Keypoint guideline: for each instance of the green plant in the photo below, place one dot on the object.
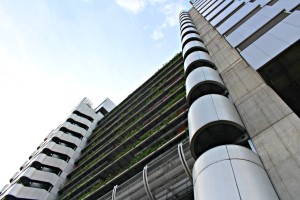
(130, 147)
(136, 159)
(174, 100)
(151, 91)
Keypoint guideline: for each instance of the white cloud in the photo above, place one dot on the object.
(156, 1)
(6, 22)
(171, 12)
(158, 46)
(145, 27)
(157, 34)
(134, 6)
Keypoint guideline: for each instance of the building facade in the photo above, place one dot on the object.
(218, 121)
(254, 46)
(46, 170)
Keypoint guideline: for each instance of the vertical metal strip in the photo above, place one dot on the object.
(114, 192)
(146, 184)
(184, 163)
(252, 146)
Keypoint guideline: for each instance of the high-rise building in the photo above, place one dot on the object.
(254, 48)
(218, 121)
(46, 171)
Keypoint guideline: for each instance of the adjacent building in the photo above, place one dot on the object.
(46, 169)
(218, 121)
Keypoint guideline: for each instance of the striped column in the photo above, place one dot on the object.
(223, 169)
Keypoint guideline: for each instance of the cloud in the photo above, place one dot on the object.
(157, 34)
(145, 27)
(171, 12)
(158, 46)
(6, 22)
(134, 6)
(156, 1)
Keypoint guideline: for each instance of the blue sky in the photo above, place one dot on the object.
(55, 52)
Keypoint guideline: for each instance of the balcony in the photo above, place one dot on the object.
(141, 91)
(18, 191)
(43, 178)
(203, 81)
(173, 102)
(197, 59)
(55, 162)
(184, 17)
(133, 107)
(124, 151)
(213, 120)
(166, 179)
(233, 172)
(82, 121)
(186, 26)
(158, 154)
(189, 37)
(191, 46)
(188, 30)
(186, 21)
(74, 140)
(86, 110)
(73, 128)
(135, 118)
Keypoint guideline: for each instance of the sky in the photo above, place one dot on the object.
(53, 53)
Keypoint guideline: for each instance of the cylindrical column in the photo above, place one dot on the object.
(231, 172)
(202, 81)
(192, 46)
(213, 120)
(187, 26)
(189, 37)
(197, 59)
(188, 30)
(228, 172)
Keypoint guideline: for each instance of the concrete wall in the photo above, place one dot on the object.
(271, 124)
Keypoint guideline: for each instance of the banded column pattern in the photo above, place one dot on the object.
(216, 128)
